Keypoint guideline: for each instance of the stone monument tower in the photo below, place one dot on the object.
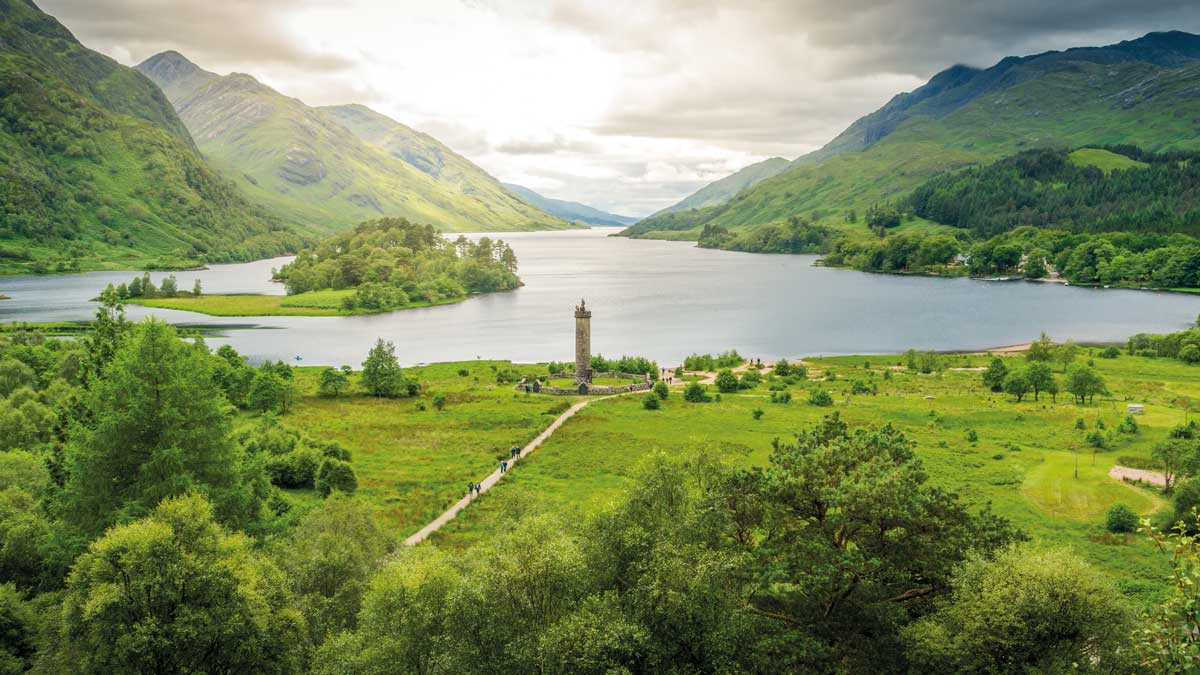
(583, 344)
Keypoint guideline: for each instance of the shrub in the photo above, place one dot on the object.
(783, 397)
(661, 390)
(726, 381)
(1128, 425)
(1110, 353)
(783, 368)
(758, 413)
(463, 372)
(860, 387)
(1080, 423)
(998, 456)
(439, 401)
(1096, 439)
(695, 393)
(335, 474)
(972, 437)
(1121, 518)
(820, 397)
(651, 402)
(750, 379)
(296, 469)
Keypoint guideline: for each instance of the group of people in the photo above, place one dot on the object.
(474, 488)
(666, 375)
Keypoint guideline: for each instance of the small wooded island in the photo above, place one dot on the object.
(379, 266)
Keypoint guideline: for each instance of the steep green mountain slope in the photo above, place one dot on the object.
(96, 169)
(315, 166)
(1144, 92)
(572, 211)
(721, 191)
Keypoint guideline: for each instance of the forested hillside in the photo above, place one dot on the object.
(96, 170)
(328, 168)
(1153, 193)
(1141, 92)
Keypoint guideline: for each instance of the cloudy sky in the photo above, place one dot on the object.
(627, 105)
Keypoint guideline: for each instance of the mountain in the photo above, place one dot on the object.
(723, 190)
(328, 168)
(1143, 92)
(572, 211)
(97, 170)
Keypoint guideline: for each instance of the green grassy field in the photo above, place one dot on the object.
(313, 303)
(1104, 160)
(413, 463)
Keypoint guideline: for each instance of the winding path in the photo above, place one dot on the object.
(487, 483)
(493, 478)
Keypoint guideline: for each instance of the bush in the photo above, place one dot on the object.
(1096, 439)
(1110, 353)
(750, 379)
(651, 402)
(758, 413)
(783, 368)
(783, 397)
(296, 469)
(727, 382)
(661, 390)
(972, 437)
(860, 387)
(1128, 425)
(1080, 423)
(695, 393)
(335, 474)
(820, 397)
(1121, 518)
(439, 401)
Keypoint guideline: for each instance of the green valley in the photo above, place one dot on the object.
(98, 172)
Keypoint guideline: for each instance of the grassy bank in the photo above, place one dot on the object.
(312, 303)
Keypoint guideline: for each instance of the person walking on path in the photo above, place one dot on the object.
(503, 466)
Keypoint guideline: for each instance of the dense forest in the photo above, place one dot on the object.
(392, 262)
(1155, 193)
(1115, 216)
(797, 235)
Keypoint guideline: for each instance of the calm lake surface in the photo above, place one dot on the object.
(663, 300)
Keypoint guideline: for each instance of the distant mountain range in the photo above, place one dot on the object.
(1144, 91)
(571, 211)
(330, 167)
(97, 170)
(723, 190)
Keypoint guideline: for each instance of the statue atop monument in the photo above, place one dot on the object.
(583, 344)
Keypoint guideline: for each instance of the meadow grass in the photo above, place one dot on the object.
(1022, 463)
(413, 463)
(1104, 160)
(326, 302)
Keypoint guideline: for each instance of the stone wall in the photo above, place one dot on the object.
(640, 383)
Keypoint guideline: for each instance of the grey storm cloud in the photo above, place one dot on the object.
(774, 75)
(208, 31)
